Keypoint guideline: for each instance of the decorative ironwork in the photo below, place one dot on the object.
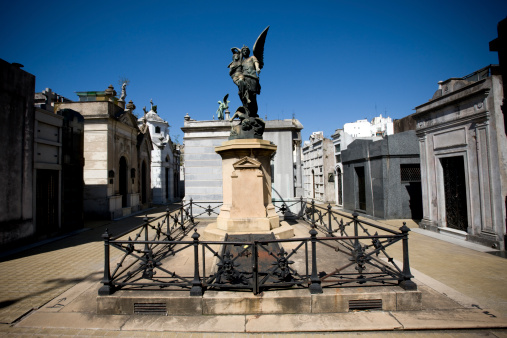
(355, 251)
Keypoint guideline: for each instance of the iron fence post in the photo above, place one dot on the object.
(168, 224)
(301, 210)
(313, 213)
(255, 269)
(330, 231)
(182, 214)
(107, 288)
(196, 289)
(191, 212)
(315, 286)
(406, 283)
(356, 230)
(145, 225)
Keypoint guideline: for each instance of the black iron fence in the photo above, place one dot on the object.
(341, 250)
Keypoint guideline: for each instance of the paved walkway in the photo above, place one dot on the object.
(32, 278)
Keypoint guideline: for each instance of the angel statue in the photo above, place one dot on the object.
(123, 91)
(244, 71)
(222, 106)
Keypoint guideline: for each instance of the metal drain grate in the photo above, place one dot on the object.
(365, 304)
(150, 309)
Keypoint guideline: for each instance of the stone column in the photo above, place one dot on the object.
(299, 181)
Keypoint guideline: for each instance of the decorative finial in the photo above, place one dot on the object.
(131, 106)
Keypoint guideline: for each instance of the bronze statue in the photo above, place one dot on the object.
(244, 71)
(222, 106)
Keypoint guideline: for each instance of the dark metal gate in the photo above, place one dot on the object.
(455, 192)
(47, 201)
(361, 188)
(340, 187)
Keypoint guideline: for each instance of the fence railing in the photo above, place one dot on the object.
(340, 250)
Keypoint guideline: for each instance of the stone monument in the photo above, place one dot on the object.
(246, 158)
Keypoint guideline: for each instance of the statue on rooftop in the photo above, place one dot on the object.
(123, 91)
(222, 106)
(244, 71)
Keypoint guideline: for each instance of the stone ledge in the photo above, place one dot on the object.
(296, 301)
(212, 233)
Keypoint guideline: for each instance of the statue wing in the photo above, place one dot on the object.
(225, 98)
(258, 48)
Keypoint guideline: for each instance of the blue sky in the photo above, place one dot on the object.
(326, 62)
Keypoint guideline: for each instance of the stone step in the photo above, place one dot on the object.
(297, 301)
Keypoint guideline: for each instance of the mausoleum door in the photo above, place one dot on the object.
(47, 195)
(143, 183)
(123, 181)
(340, 187)
(166, 184)
(361, 188)
(456, 213)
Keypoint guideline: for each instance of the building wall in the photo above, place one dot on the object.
(318, 169)
(203, 166)
(72, 170)
(386, 194)
(47, 173)
(110, 133)
(464, 122)
(341, 140)
(17, 89)
(285, 134)
(164, 160)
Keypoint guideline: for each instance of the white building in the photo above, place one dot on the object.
(164, 158)
(361, 129)
(318, 176)
(379, 126)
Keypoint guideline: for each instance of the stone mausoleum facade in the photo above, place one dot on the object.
(318, 168)
(463, 146)
(165, 158)
(42, 161)
(382, 178)
(117, 156)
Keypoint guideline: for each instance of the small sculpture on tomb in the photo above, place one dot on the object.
(222, 106)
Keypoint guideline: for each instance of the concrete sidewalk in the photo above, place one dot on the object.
(51, 290)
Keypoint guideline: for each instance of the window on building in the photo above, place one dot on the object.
(338, 158)
(410, 172)
(157, 130)
(337, 148)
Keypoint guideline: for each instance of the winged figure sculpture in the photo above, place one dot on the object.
(244, 71)
(222, 106)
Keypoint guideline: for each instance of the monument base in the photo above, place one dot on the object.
(247, 207)
(213, 233)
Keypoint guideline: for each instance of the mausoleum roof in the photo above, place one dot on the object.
(151, 116)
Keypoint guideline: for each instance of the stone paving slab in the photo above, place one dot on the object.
(446, 319)
(73, 321)
(352, 321)
(231, 323)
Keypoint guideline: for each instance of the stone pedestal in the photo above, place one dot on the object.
(247, 208)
